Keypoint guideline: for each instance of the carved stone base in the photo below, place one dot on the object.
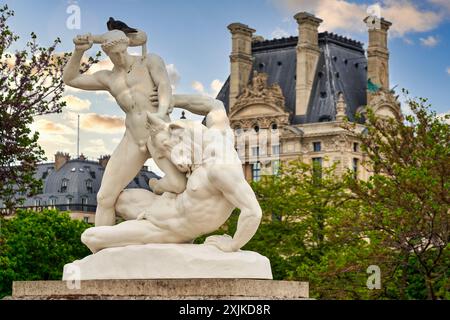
(168, 261)
(164, 289)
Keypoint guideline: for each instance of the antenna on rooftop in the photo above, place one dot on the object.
(78, 137)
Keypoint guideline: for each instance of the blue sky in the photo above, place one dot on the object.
(192, 37)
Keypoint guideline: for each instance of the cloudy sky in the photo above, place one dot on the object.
(192, 38)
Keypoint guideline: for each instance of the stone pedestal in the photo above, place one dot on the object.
(162, 289)
(169, 261)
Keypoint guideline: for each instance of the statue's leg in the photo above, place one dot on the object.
(133, 232)
(126, 161)
(123, 234)
(132, 202)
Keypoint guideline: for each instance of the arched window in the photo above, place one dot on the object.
(52, 201)
(37, 202)
(69, 201)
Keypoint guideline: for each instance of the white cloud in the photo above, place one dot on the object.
(342, 15)
(96, 148)
(215, 87)
(101, 123)
(198, 86)
(408, 41)
(448, 70)
(430, 41)
(73, 103)
(174, 75)
(279, 33)
(48, 127)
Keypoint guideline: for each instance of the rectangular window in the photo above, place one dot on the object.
(256, 171)
(275, 167)
(68, 202)
(86, 219)
(317, 147)
(355, 167)
(355, 147)
(317, 167)
(89, 186)
(255, 151)
(52, 201)
(276, 150)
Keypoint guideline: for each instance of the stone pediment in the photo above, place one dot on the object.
(384, 103)
(259, 99)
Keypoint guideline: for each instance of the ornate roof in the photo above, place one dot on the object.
(341, 68)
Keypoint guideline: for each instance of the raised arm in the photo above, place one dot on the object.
(160, 76)
(231, 182)
(71, 74)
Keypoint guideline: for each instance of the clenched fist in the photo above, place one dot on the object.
(83, 42)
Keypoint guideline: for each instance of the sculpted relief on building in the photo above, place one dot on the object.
(259, 104)
(384, 103)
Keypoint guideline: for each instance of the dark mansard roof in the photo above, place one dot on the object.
(342, 67)
(79, 174)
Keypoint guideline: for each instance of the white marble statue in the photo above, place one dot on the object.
(203, 182)
(215, 187)
(132, 82)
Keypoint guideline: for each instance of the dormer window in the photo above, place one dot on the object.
(64, 184)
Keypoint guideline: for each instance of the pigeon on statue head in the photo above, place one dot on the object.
(119, 25)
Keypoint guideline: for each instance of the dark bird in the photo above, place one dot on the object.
(119, 25)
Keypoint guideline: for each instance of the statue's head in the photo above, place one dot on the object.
(115, 42)
(180, 141)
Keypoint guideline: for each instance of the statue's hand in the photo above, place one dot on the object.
(153, 183)
(83, 42)
(154, 99)
(223, 242)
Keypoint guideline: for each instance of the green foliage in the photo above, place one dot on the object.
(36, 245)
(306, 230)
(406, 201)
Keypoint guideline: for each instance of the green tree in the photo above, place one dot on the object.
(36, 245)
(307, 230)
(30, 85)
(406, 202)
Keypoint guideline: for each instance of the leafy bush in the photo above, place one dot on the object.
(36, 245)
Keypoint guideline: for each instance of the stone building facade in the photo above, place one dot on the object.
(288, 98)
(72, 185)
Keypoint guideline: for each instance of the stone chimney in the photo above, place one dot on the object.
(103, 160)
(341, 108)
(240, 59)
(307, 57)
(61, 159)
(377, 52)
